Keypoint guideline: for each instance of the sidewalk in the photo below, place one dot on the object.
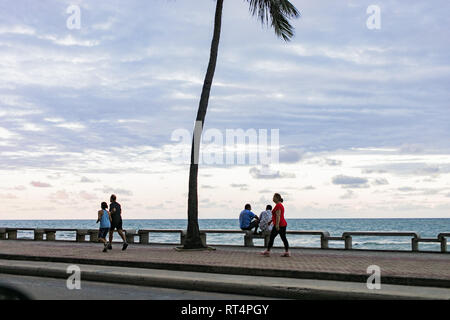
(272, 287)
(400, 268)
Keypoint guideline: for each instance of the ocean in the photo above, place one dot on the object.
(426, 228)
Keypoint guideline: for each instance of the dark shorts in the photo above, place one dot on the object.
(116, 224)
(103, 232)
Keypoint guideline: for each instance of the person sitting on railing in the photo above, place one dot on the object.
(265, 220)
(248, 220)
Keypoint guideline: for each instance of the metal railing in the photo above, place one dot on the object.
(144, 235)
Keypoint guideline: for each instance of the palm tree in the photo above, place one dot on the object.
(275, 13)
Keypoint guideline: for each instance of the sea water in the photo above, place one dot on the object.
(426, 227)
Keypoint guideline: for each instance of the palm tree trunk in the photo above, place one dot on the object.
(193, 234)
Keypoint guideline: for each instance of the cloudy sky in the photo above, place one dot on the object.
(363, 114)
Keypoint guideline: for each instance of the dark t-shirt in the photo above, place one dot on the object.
(115, 210)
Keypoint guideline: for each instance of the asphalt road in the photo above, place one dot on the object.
(55, 289)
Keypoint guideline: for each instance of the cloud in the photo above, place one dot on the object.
(59, 195)
(380, 182)
(350, 194)
(237, 185)
(17, 30)
(406, 189)
(267, 173)
(205, 186)
(39, 184)
(240, 186)
(86, 180)
(333, 163)
(289, 156)
(87, 196)
(117, 191)
(350, 182)
(8, 196)
(68, 40)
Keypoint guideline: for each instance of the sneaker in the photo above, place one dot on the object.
(109, 246)
(125, 245)
(105, 248)
(286, 254)
(265, 253)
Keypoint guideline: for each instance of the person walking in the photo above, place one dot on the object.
(116, 222)
(104, 217)
(279, 226)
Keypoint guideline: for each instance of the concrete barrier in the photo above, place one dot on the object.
(414, 241)
(443, 239)
(93, 235)
(130, 234)
(81, 235)
(12, 233)
(39, 234)
(144, 236)
(2, 233)
(249, 236)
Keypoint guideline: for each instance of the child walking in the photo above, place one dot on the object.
(104, 217)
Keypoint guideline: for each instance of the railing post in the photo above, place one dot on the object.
(248, 239)
(93, 235)
(443, 244)
(2, 234)
(324, 240)
(266, 238)
(12, 234)
(143, 237)
(50, 235)
(348, 242)
(38, 234)
(415, 244)
(81, 235)
(183, 235)
(129, 235)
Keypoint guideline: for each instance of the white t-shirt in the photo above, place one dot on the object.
(264, 219)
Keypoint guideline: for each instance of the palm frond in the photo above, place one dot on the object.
(277, 14)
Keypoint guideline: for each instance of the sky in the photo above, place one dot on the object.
(90, 105)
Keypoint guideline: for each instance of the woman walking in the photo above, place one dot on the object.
(279, 226)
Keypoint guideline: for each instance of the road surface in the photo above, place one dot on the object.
(55, 289)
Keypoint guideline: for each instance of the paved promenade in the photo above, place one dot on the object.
(404, 268)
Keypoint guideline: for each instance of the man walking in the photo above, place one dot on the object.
(116, 222)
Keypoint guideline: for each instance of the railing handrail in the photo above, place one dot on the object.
(143, 234)
(309, 232)
(161, 230)
(382, 233)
